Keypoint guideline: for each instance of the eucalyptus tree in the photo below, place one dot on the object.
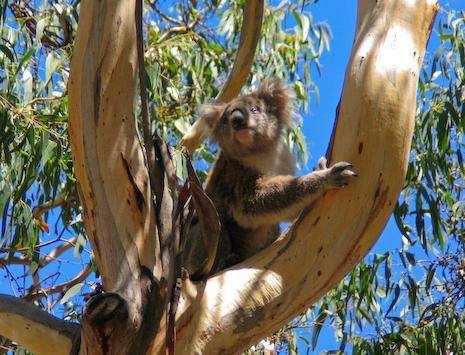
(126, 190)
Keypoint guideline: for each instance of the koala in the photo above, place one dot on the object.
(251, 182)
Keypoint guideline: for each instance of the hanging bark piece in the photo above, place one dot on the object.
(208, 219)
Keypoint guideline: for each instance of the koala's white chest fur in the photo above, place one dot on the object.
(280, 161)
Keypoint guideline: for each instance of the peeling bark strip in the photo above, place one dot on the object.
(207, 218)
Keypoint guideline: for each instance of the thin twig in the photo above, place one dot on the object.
(60, 288)
(164, 16)
(55, 253)
(13, 260)
(39, 99)
(39, 210)
(180, 30)
(38, 246)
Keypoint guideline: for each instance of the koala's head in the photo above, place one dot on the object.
(252, 123)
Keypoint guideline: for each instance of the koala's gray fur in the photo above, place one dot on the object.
(251, 182)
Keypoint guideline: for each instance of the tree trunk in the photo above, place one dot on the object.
(234, 309)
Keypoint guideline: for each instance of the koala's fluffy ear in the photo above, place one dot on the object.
(209, 115)
(278, 98)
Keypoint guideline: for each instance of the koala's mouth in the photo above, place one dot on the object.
(244, 136)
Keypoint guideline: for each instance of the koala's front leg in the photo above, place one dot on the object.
(281, 198)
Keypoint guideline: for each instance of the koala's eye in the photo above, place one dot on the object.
(255, 109)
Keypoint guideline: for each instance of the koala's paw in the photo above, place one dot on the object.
(337, 175)
(322, 164)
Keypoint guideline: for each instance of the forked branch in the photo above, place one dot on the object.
(373, 132)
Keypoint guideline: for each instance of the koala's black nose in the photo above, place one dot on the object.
(238, 119)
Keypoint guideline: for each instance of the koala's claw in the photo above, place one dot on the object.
(340, 174)
(341, 166)
(322, 164)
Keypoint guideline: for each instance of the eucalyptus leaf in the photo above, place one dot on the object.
(72, 291)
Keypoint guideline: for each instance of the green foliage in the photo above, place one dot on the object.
(441, 331)
(35, 156)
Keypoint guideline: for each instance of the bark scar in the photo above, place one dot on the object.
(97, 87)
(140, 200)
(379, 199)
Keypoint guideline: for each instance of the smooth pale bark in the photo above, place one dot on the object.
(238, 307)
(31, 326)
(113, 180)
(250, 34)
(108, 158)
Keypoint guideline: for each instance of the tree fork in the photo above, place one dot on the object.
(234, 309)
(135, 259)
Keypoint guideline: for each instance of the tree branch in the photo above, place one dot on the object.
(13, 260)
(40, 210)
(178, 30)
(60, 288)
(109, 159)
(35, 329)
(38, 246)
(55, 253)
(250, 34)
